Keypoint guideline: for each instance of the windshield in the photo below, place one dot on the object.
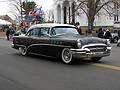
(63, 30)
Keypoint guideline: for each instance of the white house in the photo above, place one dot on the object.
(63, 13)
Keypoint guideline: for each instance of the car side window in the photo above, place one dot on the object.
(29, 33)
(44, 31)
(53, 32)
(34, 32)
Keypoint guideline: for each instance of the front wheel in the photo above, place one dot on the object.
(96, 59)
(23, 51)
(66, 56)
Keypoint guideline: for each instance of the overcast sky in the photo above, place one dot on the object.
(4, 8)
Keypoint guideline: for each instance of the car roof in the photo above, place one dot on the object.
(49, 25)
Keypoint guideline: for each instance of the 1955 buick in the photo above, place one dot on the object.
(61, 40)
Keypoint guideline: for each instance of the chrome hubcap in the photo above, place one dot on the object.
(66, 55)
(22, 50)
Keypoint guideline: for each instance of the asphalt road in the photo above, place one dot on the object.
(19, 72)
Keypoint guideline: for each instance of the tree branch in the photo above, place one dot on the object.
(110, 14)
(97, 10)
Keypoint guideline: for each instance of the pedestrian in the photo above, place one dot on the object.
(8, 33)
(77, 24)
(107, 34)
(100, 33)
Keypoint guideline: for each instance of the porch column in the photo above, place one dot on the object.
(65, 16)
(70, 13)
(73, 13)
(55, 14)
(62, 13)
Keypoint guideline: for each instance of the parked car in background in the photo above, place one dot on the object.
(62, 41)
(115, 36)
(116, 33)
(118, 43)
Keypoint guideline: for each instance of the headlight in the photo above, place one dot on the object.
(79, 44)
(108, 42)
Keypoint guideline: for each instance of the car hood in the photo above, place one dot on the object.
(84, 39)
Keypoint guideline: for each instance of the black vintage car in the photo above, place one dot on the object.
(61, 40)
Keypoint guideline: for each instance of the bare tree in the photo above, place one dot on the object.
(16, 7)
(92, 7)
(22, 8)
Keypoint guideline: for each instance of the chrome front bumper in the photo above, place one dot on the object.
(86, 53)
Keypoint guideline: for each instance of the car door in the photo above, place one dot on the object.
(44, 41)
(40, 40)
(33, 35)
(56, 44)
(25, 40)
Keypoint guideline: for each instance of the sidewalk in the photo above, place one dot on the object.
(3, 36)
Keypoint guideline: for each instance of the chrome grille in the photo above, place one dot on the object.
(97, 48)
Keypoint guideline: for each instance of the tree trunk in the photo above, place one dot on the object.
(90, 26)
(91, 15)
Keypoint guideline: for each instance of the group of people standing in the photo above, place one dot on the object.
(104, 33)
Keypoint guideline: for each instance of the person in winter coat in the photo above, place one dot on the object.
(100, 33)
(77, 24)
(107, 34)
(8, 33)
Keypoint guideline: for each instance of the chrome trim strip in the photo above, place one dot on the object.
(40, 44)
(81, 50)
(48, 45)
(19, 45)
(93, 45)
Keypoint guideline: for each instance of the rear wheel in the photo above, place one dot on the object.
(95, 59)
(66, 56)
(23, 51)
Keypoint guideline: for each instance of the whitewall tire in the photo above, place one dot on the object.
(67, 56)
(23, 51)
